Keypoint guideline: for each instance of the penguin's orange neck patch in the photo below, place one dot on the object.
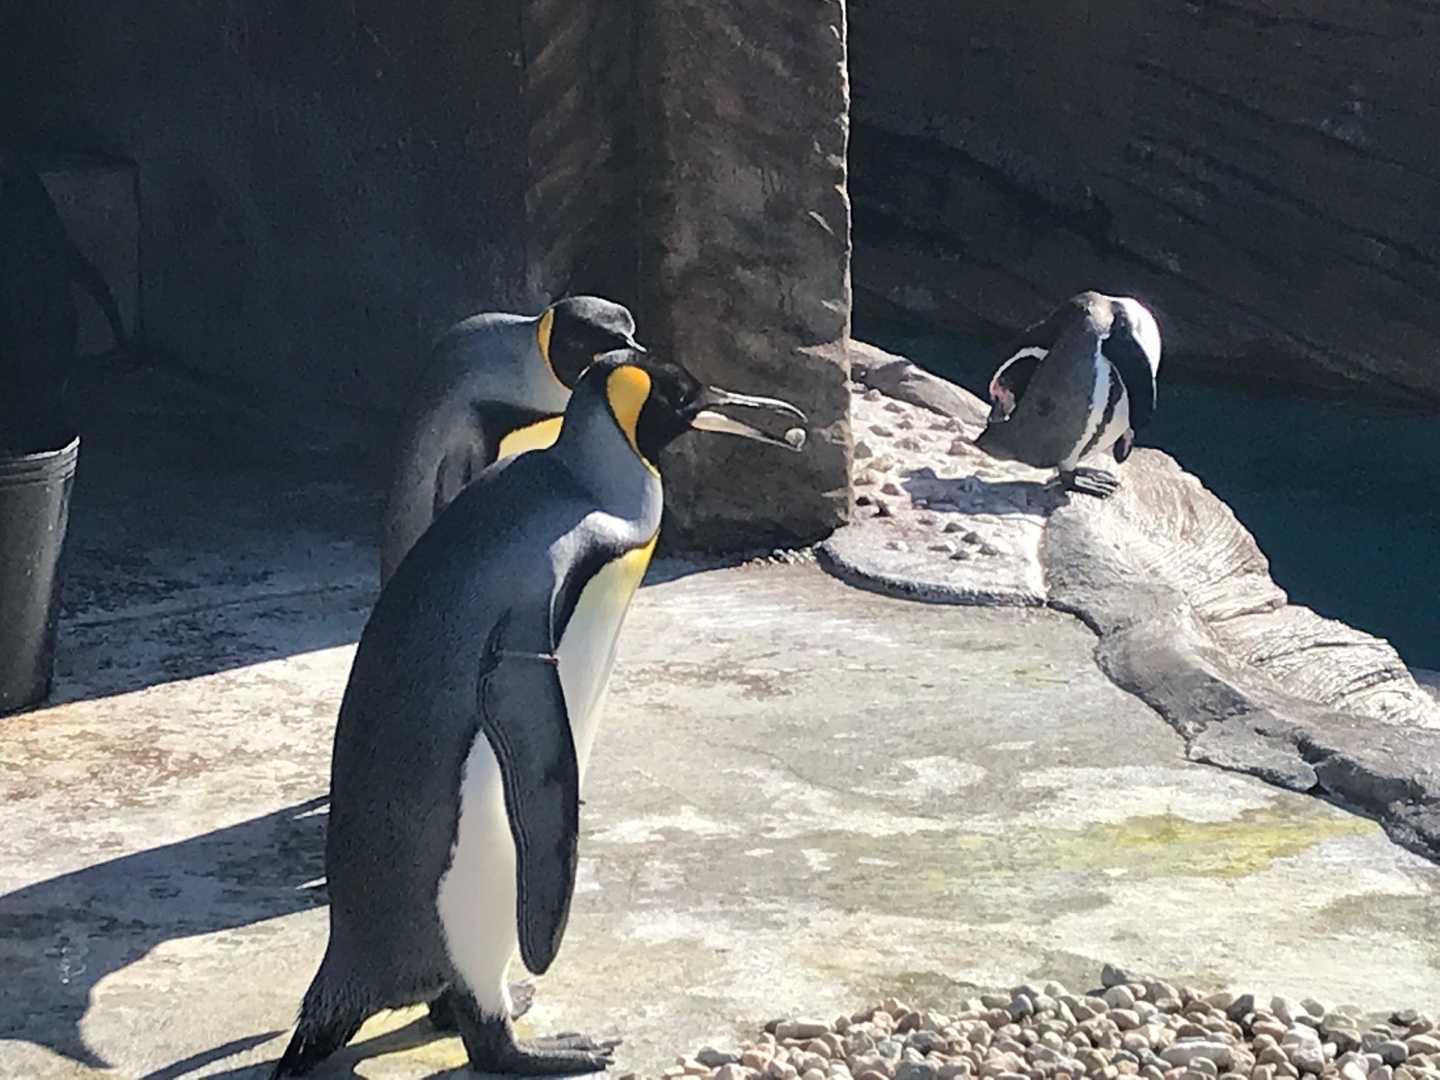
(542, 339)
(628, 388)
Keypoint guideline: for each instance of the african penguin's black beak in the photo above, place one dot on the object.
(708, 415)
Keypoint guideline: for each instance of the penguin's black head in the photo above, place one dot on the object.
(579, 328)
(656, 401)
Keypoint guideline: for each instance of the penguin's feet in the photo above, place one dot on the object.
(560, 1055)
(442, 1010)
(1088, 481)
(492, 1047)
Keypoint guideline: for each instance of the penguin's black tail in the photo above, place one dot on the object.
(327, 1022)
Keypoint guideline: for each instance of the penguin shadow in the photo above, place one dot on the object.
(976, 495)
(60, 937)
(339, 1066)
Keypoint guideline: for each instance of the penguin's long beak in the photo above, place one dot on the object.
(707, 416)
(633, 345)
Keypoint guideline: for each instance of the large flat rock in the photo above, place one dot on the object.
(1177, 589)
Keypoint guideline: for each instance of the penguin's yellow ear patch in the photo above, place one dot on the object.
(542, 335)
(628, 387)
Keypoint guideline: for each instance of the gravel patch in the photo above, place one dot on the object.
(1131, 1025)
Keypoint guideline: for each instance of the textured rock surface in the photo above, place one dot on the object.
(336, 186)
(1262, 174)
(745, 269)
(320, 189)
(1188, 616)
(935, 519)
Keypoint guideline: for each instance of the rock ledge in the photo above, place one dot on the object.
(1179, 593)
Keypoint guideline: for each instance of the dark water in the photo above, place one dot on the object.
(1344, 501)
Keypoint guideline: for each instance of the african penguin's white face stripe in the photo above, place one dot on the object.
(1039, 352)
(1146, 329)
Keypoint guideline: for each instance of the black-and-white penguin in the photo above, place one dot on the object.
(1081, 381)
(494, 385)
(471, 710)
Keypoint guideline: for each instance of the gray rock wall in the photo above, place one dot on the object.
(321, 185)
(746, 242)
(1265, 174)
(323, 188)
(580, 103)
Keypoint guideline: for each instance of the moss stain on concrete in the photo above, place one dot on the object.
(1370, 913)
(915, 873)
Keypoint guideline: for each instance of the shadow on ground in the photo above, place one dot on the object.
(975, 495)
(339, 1065)
(62, 936)
(206, 535)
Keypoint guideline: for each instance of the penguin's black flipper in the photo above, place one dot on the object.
(1131, 364)
(523, 714)
(1124, 445)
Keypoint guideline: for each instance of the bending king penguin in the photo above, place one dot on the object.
(495, 385)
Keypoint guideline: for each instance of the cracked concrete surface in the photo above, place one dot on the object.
(804, 796)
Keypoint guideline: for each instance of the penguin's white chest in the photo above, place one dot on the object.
(587, 645)
(1100, 431)
(476, 898)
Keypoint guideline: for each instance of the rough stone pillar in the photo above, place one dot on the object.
(745, 250)
(581, 108)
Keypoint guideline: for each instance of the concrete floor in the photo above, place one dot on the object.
(805, 797)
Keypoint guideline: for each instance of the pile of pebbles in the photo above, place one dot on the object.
(1132, 1026)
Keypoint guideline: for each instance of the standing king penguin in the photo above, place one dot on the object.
(470, 713)
(494, 385)
(1081, 380)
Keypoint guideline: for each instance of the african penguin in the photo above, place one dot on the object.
(1080, 381)
(471, 710)
(495, 384)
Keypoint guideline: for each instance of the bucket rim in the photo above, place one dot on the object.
(39, 455)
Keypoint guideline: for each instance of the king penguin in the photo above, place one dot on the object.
(495, 384)
(1081, 380)
(471, 710)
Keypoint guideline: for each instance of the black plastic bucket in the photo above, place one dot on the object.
(34, 510)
